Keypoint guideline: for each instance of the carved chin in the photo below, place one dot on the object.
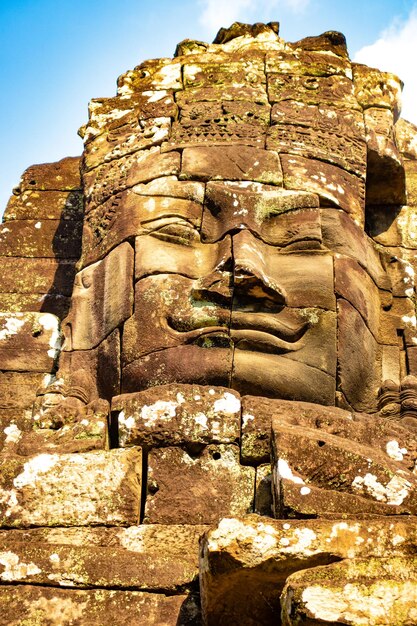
(250, 372)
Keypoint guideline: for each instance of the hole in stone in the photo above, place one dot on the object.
(321, 444)
(216, 456)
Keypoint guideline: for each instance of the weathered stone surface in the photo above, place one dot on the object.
(335, 91)
(48, 238)
(114, 177)
(45, 205)
(263, 491)
(36, 276)
(29, 342)
(342, 235)
(359, 378)
(34, 303)
(359, 591)
(17, 389)
(71, 489)
(317, 472)
(357, 287)
(307, 62)
(126, 139)
(257, 416)
(104, 112)
(103, 361)
(101, 301)
(280, 217)
(61, 607)
(128, 214)
(166, 315)
(259, 555)
(231, 163)
(229, 122)
(177, 414)
(85, 435)
(103, 557)
(334, 185)
(393, 226)
(374, 88)
(405, 135)
(154, 74)
(385, 175)
(170, 186)
(249, 71)
(64, 175)
(319, 132)
(223, 92)
(197, 487)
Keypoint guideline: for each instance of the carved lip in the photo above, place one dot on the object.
(252, 331)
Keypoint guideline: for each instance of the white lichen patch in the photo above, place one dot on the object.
(283, 470)
(394, 493)
(229, 404)
(11, 326)
(160, 410)
(38, 225)
(304, 491)
(394, 451)
(14, 569)
(246, 418)
(32, 469)
(50, 323)
(201, 420)
(13, 433)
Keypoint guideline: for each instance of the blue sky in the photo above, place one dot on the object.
(58, 54)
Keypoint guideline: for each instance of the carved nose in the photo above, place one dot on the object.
(250, 275)
(217, 285)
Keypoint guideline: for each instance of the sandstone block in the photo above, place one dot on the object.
(245, 562)
(36, 276)
(333, 184)
(279, 216)
(197, 488)
(18, 389)
(45, 239)
(153, 74)
(183, 364)
(128, 214)
(358, 288)
(45, 205)
(367, 591)
(71, 489)
(263, 491)
(63, 175)
(126, 139)
(177, 414)
(114, 177)
(61, 607)
(307, 63)
(29, 341)
(341, 234)
(334, 90)
(374, 88)
(35, 303)
(393, 226)
(149, 557)
(360, 378)
(362, 444)
(231, 163)
(102, 299)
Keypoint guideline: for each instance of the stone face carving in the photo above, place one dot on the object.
(243, 317)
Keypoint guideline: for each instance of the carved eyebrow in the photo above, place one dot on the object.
(165, 216)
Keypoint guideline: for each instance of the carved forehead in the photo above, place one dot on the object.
(250, 107)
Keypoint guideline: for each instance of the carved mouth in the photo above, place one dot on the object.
(249, 331)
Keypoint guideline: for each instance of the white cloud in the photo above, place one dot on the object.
(396, 51)
(218, 13)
